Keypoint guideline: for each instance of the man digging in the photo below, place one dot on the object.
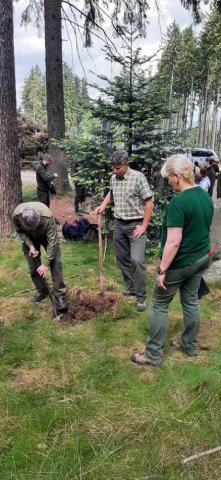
(35, 225)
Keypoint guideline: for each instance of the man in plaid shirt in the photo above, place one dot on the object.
(133, 204)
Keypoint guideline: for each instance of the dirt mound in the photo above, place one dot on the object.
(85, 305)
(32, 137)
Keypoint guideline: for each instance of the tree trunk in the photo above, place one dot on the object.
(200, 120)
(169, 120)
(184, 112)
(215, 118)
(10, 178)
(204, 118)
(54, 90)
(192, 106)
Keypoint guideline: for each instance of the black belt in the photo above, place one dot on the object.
(129, 221)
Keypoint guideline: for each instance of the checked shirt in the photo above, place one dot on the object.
(128, 194)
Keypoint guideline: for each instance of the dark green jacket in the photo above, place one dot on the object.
(43, 178)
(46, 228)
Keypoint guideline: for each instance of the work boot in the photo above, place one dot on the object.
(39, 296)
(61, 303)
(128, 293)
(141, 305)
(176, 344)
(142, 359)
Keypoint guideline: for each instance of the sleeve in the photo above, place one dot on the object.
(175, 214)
(52, 241)
(22, 233)
(44, 175)
(110, 193)
(144, 189)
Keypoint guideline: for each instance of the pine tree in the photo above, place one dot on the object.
(76, 101)
(34, 96)
(132, 102)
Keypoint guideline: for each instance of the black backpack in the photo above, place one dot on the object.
(78, 230)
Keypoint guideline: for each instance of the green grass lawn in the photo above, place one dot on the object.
(73, 405)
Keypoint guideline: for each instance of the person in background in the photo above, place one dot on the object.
(185, 254)
(80, 190)
(211, 174)
(132, 198)
(36, 227)
(204, 181)
(44, 179)
(196, 171)
(215, 165)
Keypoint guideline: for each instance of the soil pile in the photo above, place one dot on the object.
(32, 138)
(85, 305)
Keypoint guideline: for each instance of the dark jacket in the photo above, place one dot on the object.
(219, 186)
(212, 176)
(43, 178)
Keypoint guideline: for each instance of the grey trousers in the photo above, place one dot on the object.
(130, 255)
(55, 268)
(187, 281)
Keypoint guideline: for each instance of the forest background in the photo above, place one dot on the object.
(142, 109)
(72, 406)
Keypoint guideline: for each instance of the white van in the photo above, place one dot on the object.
(200, 155)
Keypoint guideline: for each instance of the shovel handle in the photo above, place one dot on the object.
(101, 275)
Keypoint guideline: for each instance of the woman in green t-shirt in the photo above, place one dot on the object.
(185, 246)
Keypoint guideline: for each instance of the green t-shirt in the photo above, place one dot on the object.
(191, 210)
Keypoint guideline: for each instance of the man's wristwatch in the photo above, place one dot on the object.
(161, 272)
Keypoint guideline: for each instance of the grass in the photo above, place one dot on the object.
(73, 406)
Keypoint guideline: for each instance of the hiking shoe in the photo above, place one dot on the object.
(40, 296)
(128, 293)
(177, 346)
(141, 305)
(142, 359)
(61, 303)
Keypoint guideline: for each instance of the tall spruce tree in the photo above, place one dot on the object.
(132, 103)
(34, 96)
(76, 101)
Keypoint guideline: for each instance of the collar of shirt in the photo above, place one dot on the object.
(125, 176)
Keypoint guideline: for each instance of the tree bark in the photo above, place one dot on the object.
(200, 120)
(10, 178)
(204, 116)
(54, 90)
(215, 118)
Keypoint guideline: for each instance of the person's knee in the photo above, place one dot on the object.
(137, 261)
(32, 271)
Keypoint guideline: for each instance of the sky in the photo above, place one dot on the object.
(30, 50)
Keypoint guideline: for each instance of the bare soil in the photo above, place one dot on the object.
(85, 305)
(63, 210)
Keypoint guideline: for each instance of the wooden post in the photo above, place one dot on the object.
(101, 275)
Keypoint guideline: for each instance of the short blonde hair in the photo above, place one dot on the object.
(178, 164)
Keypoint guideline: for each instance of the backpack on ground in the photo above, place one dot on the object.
(79, 230)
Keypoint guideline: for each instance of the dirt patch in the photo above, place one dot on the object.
(39, 378)
(85, 305)
(63, 210)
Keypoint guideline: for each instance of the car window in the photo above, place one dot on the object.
(201, 153)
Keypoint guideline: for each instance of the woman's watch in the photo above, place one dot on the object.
(161, 272)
